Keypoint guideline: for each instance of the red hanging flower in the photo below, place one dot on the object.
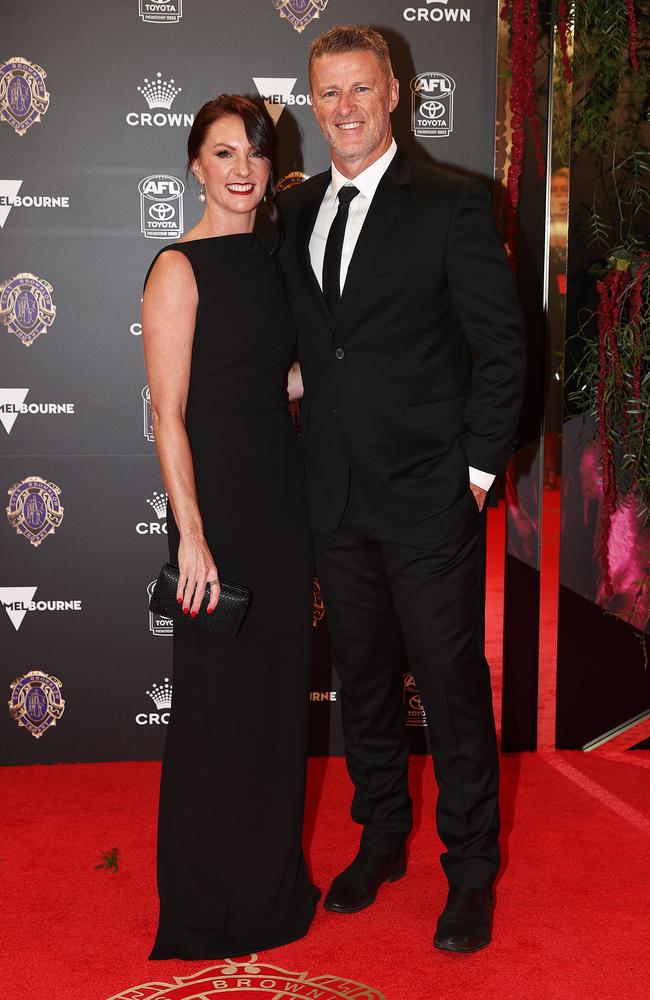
(631, 17)
(634, 310)
(610, 304)
(562, 17)
(523, 29)
(530, 55)
(619, 292)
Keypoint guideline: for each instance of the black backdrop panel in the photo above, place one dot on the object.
(124, 80)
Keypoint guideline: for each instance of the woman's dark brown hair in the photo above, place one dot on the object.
(260, 132)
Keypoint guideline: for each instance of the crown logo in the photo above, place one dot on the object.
(159, 93)
(161, 694)
(158, 501)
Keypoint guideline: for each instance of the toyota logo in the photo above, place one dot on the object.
(161, 211)
(433, 109)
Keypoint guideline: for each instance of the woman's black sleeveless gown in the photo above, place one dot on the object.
(231, 873)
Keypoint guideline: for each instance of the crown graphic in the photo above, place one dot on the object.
(159, 93)
(161, 694)
(159, 503)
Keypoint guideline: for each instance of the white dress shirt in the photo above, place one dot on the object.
(367, 182)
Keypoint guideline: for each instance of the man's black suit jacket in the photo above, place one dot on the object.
(420, 373)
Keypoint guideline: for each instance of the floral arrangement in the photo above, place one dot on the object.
(612, 382)
(524, 28)
(610, 376)
(608, 118)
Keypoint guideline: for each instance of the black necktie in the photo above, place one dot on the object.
(334, 246)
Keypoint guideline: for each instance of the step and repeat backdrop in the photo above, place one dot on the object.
(96, 101)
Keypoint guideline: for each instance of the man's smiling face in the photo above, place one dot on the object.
(353, 97)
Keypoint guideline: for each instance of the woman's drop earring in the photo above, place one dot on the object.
(202, 193)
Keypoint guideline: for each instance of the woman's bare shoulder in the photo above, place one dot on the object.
(171, 275)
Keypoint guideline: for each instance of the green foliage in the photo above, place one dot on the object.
(109, 860)
(611, 97)
(611, 115)
(610, 122)
(597, 230)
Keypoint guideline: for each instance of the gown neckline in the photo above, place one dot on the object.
(207, 239)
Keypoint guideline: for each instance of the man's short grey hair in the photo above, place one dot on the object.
(351, 38)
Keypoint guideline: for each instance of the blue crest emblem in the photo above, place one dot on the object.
(299, 13)
(34, 509)
(23, 94)
(26, 306)
(36, 702)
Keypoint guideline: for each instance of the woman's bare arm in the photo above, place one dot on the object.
(294, 383)
(168, 318)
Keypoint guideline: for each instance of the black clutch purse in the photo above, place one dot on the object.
(226, 619)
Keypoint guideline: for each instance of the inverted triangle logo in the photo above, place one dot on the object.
(16, 601)
(10, 402)
(275, 93)
(8, 192)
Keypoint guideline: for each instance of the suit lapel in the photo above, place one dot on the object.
(386, 204)
(304, 228)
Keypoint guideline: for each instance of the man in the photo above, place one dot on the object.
(412, 351)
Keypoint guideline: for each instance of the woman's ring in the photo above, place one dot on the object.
(213, 583)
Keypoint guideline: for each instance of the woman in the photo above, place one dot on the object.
(218, 340)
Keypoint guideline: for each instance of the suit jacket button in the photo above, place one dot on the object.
(339, 353)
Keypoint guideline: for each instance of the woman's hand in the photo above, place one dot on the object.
(479, 495)
(196, 569)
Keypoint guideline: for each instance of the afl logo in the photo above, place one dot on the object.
(161, 11)
(158, 624)
(23, 95)
(415, 715)
(432, 102)
(148, 413)
(161, 206)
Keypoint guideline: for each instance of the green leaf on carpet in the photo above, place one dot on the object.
(109, 860)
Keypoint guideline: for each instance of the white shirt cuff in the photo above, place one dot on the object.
(481, 479)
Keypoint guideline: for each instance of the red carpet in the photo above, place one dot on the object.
(573, 908)
(573, 911)
(548, 613)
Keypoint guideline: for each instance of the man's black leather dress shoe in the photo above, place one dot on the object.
(356, 887)
(465, 924)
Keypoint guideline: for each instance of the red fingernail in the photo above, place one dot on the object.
(179, 600)
(193, 614)
(210, 610)
(185, 610)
